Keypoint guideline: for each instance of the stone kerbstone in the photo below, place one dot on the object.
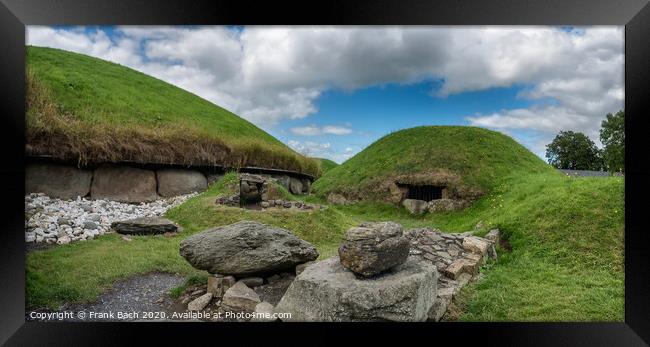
(374, 247)
(415, 206)
(124, 184)
(327, 291)
(240, 298)
(144, 226)
(57, 181)
(173, 182)
(246, 249)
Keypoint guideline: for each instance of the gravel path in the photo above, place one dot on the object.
(141, 294)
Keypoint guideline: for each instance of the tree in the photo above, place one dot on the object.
(612, 135)
(573, 151)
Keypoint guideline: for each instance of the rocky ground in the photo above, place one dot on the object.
(57, 221)
(144, 295)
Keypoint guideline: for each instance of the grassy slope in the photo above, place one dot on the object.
(326, 164)
(75, 101)
(482, 157)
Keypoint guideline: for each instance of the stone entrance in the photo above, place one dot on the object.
(425, 192)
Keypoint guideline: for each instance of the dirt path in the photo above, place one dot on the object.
(141, 297)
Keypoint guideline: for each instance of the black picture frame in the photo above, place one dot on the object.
(634, 14)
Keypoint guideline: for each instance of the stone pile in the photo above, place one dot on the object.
(60, 221)
(251, 265)
(233, 201)
(373, 279)
(458, 258)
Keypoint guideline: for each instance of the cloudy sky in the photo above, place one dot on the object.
(331, 91)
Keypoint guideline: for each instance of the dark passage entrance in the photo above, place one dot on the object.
(426, 193)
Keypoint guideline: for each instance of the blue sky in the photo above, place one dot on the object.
(331, 91)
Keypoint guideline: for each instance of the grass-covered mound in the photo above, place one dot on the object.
(326, 164)
(86, 109)
(473, 160)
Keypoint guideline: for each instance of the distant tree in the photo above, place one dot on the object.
(612, 135)
(573, 151)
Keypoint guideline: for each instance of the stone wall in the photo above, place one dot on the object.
(129, 184)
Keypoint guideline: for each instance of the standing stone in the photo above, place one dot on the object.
(240, 298)
(415, 206)
(374, 247)
(246, 248)
(124, 184)
(218, 284)
(326, 291)
(174, 182)
(57, 181)
(295, 186)
(145, 226)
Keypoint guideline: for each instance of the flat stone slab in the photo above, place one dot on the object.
(326, 291)
(144, 226)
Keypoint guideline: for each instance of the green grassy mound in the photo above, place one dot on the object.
(475, 159)
(326, 164)
(86, 109)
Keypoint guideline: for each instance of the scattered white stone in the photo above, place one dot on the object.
(83, 219)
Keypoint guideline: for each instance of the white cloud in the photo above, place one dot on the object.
(313, 130)
(269, 74)
(322, 150)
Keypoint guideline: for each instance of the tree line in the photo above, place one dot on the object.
(575, 151)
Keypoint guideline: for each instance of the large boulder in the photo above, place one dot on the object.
(415, 206)
(57, 181)
(145, 226)
(124, 184)
(327, 291)
(246, 248)
(173, 182)
(374, 247)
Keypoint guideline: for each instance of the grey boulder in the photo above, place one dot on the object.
(144, 226)
(246, 248)
(326, 291)
(374, 247)
(415, 206)
(57, 181)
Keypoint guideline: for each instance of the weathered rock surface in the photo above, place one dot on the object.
(144, 226)
(441, 205)
(415, 206)
(240, 298)
(301, 267)
(57, 181)
(326, 291)
(264, 312)
(246, 248)
(218, 284)
(124, 184)
(253, 282)
(295, 185)
(200, 303)
(373, 247)
(172, 182)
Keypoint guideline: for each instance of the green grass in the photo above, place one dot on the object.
(326, 164)
(84, 108)
(480, 157)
